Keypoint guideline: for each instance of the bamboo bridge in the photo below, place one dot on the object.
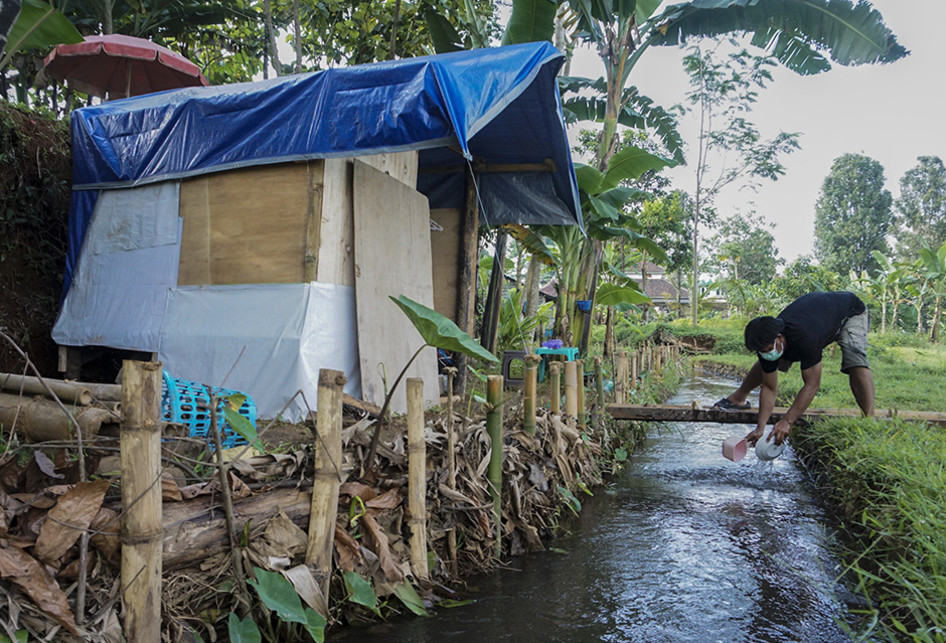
(695, 413)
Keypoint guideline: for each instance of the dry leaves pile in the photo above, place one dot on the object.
(46, 510)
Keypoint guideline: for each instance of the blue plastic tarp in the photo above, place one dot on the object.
(495, 106)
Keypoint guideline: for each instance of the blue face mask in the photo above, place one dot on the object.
(774, 354)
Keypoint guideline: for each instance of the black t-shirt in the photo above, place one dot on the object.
(812, 322)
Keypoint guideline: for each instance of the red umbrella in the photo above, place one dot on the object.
(116, 66)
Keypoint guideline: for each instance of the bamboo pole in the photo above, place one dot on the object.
(582, 415)
(451, 467)
(571, 391)
(620, 378)
(555, 386)
(328, 476)
(466, 271)
(75, 392)
(141, 524)
(494, 427)
(635, 366)
(417, 477)
(532, 378)
(599, 385)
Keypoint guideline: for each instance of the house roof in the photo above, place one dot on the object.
(498, 106)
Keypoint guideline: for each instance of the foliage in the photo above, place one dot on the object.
(888, 480)
(440, 332)
(803, 276)
(744, 250)
(515, 328)
(852, 215)
(35, 166)
(38, 26)
(922, 207)
(278, 595)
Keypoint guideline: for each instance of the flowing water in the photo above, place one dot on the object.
(683, 546)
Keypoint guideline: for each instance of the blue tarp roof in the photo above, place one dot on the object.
(499, 106)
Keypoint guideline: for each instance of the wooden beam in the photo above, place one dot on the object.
(673, 413)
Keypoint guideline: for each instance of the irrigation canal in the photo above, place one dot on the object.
(685, 546)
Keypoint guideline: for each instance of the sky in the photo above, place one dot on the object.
(892, 113)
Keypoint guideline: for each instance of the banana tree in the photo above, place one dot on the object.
(934, 269)
(577, 256)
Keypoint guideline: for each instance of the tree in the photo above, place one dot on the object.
(852, 215)
(744, 250)
(729, 146)
(921, 207)
(803, 276)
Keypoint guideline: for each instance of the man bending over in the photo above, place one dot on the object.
(800, 334)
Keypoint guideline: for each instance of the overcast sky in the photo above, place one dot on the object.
(891, 113)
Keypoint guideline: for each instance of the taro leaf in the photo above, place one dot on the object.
(245, 631)
(361, 592)
(315, 625)
(22, 636)
(408, 595)
(72, 514)
(440, 332)
(279, 595)
(241, 425)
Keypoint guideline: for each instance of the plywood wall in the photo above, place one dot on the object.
(247, 226)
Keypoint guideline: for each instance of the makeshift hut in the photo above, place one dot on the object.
(248, 235)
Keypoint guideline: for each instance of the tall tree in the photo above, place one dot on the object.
(921, 207)
(852, 215)
(729, 148)
(744, 250)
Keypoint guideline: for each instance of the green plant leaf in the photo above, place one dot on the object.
(315, 625)
(630, 163)
(440, 332)
(37, 27)
(361, 592)
(408, 595)
(613, 294)
(240, 424)
(245, 631)
(279, 595)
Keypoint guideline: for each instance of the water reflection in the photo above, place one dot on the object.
(686, 546)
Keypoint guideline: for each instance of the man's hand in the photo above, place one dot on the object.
(754, 437)
(780, 431)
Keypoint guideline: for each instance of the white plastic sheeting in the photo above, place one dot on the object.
(268, 341)
(129, 262)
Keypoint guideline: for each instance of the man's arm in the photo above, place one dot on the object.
(812, 383)
(766, 403)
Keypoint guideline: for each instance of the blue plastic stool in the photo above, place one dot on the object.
(570, 353)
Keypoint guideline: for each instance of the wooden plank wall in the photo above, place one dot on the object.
(445, 248)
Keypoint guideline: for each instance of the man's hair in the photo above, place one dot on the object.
(762, 331)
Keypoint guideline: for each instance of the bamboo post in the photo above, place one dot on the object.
(599, 385)
(451, 467)
(582, 416)
(620, 378)
(417, 477)
(635, 369)
(555, 388)
(141, 522)
(328, 476)
(571, 391)
(532, 378)
(494, 426)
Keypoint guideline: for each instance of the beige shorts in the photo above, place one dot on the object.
(853, 342)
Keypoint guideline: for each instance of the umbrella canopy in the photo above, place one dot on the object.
(117, 66)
